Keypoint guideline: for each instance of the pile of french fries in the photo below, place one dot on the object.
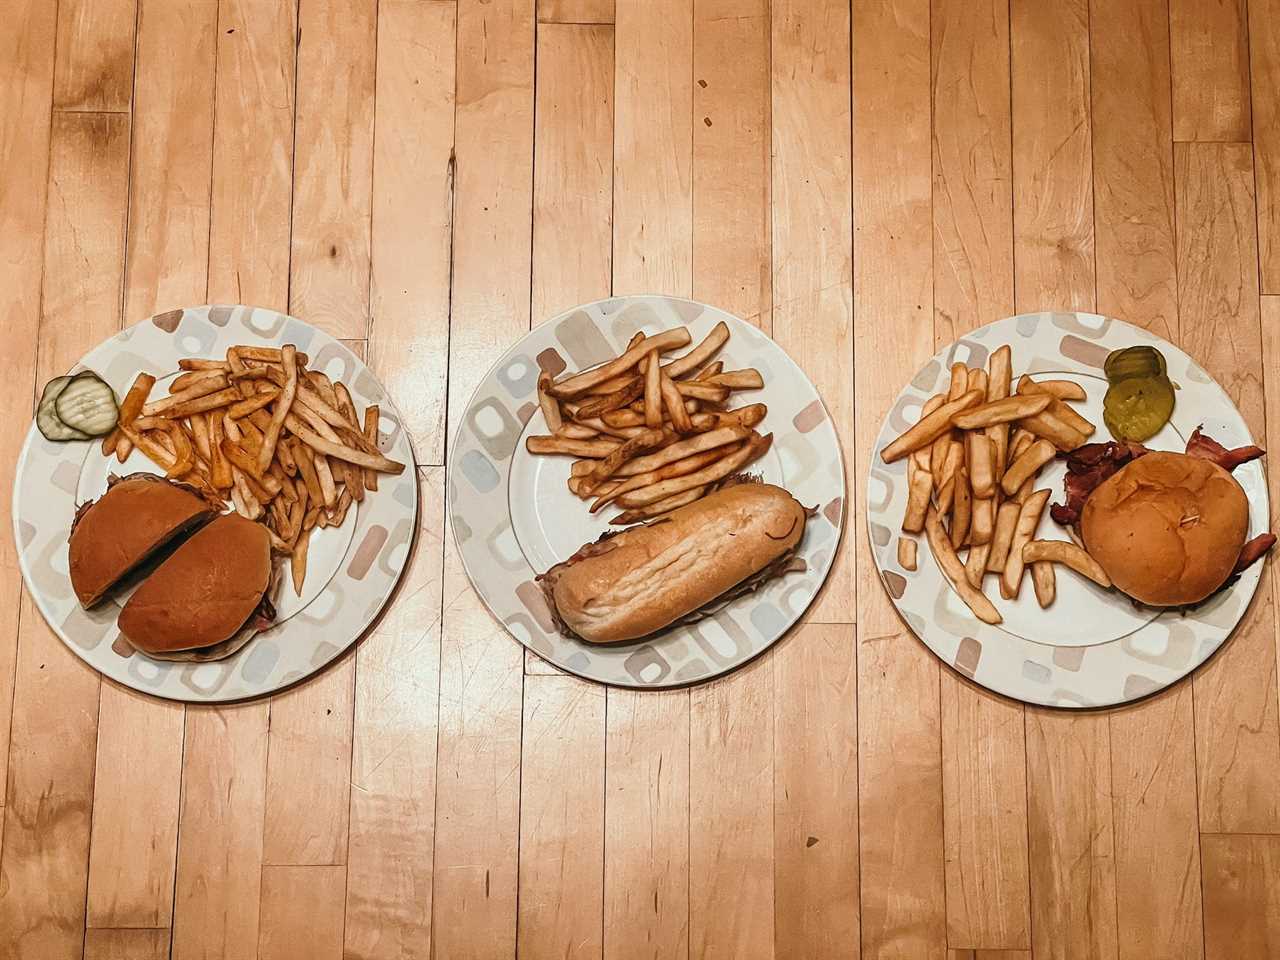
(652, 436)
(975, 455)
(283, 443)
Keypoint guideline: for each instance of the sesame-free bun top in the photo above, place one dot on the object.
(204, 592)
(1167, 528)
(118, 532)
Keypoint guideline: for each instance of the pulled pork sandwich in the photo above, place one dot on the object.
(631, 584)
(209, 598)
(1170, 529)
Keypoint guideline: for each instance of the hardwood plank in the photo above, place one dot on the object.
(988, 955)
(1073, 895)
(1237, 736)
(983, 750)
(1210, 60)
(653, 148)
(1270, 315)
(1133, 164)
(972, 175)
(252, 145)
(478, 778)
(731, 158)
(812, 229)
(333, 165)
(301, 912)
(126, 944)
(1242, 897)
(44, 863)
(389, 858)
(412, 214)
(168, 249)
(95, 54)
(575, 11)
(899, 750)
(646, 867)
(215, 912)
(562, 819)
(26, 89)
(1053, 193)
(815, 794)
(1264, 63)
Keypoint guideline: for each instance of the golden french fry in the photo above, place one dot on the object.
(977, 381)
(219, 466)
(358, 457)
(283, 404)
(700, 354)
(1000, 411)
(938, 453)
(200, 435)
(676, 468)
(654, 510)
(596, 406)
(550, 406)
(954, 571)
(961, 508)
(698, 443)
(1057, 407)
(1021, 445)
(1028, 519)
(328, 490)
(197, 399)
(576, 431)
(959, 380)
(975, 566)
(918, 491)
(982, 522)
(1027, 465)
(298, 559)
(674, 404)
(371, 415)
(265, 354)
(1002, 537)
(1062, 389)
(1046, 425)
(243, 408)
(130, 407)
(998, 436)
(748, 379)
(953, 462)
(710, 370)
(907, 550)
(189, 379)
(732, 463)
(981, 468)
(194, 363)
(1045, 582)
(575, 448)
(748, 416)
(339, 512)
(575, 385)
(929, 428)
(307, 470)
(1068, 554)
(1001, 366)
(626, 451)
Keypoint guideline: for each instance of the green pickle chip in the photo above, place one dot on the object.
(1135, 408)
(1134, 362)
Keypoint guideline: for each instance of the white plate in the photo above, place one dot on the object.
(351, 570)
(1092, 647)
(513, 516)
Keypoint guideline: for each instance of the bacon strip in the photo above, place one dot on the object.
(1253, 551)
(1088, 467)
(1206, 448)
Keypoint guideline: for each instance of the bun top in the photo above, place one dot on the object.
(205, 592)
(121, 529)
(647, 577)
(1167, 528)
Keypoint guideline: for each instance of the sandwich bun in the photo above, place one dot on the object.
(1167, 528)
(205, 593)
(639, 581)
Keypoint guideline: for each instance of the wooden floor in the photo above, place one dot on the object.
(426, 180)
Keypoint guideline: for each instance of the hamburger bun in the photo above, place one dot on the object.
(1167, 528)
(639, 581)
(205, 593)
(133, 521)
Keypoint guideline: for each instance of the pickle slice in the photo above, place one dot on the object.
(1136, 408)
(1131, 362)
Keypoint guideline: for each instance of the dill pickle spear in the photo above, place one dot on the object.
(1134, 362)
(1135, 408)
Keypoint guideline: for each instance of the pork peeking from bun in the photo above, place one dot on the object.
(678, 568)
(1170, 529)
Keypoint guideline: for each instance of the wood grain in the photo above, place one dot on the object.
(301, 913)
(43, 866)
(899, 760)
(126, 944)
(815, 794)
(988, 955)
(1137, 277)
(1242, 897)
(333, 164)
(575, 11)
(1264, 65)
(413, 215)
(1237, 738)
(1270, 315)
(731, 158)
(26, 84)
(1052, 145)
(393, 777)
(478, 792)
(562, 796)
(252, 144)
(653, 148)
(95, 55)
(1210, 62)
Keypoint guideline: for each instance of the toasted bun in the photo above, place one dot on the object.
(1167, 528)
(647, 577)
(205, 592)
(123, 528)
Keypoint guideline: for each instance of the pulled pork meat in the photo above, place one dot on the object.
(1206, 448)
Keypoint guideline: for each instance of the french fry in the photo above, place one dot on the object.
(200, 434)
(339, 512)
(907, 553)
(576, 431)
(977, 381)
(918, 491)
(748, 379)
(611, 401)
(1000, 411)
(981, 452)
(626, 451)
(710, 370)
(959, 380)
(267, 354)
(658, 509)
(675, 405)
(975, 566)
(194, 363)
(243, 460)
(938, 453)
(312, 517)
(955, 457)
(700, 354)
(1045, 582)
(242, 408)
(1067, 554)
(1027, 465)
(685, 448)
(946, 496)
(1057, 407)
(283, 404)
(1001, 367)
(961, 507)
(1015, 566)
(753, 449)
(219, 465)
(150, 447)
(575, 448)
(192, 377)
(298, 558)
(580, 487)
(748, 416)
(252, 504)
(328, 491)
(371, 415)
(1046, 425)
(578, 384)
(1002, 537)
(1062, 389)
(652, 396)
(358, 457)
(549, 405)
(954, 571)
(307, 470)
(346, 406)
(929, 428)
(323, 387)
(982, 522)
(677, 468)
(216, 387)
(130, 407)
